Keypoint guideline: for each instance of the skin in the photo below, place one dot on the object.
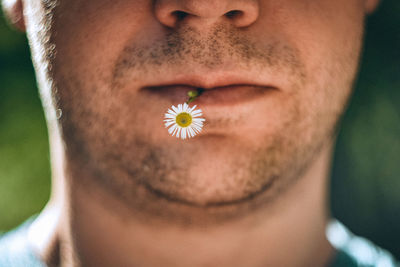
(126, 193)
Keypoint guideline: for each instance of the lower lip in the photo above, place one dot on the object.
(227, 95)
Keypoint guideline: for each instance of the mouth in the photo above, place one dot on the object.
(223, 94)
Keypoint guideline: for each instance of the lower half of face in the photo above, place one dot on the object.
(110, 81)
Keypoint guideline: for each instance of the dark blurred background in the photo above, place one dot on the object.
(366, 170)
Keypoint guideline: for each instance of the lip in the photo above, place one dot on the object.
(215, 92)
(224, 95)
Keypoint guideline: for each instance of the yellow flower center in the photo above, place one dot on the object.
(184, 119)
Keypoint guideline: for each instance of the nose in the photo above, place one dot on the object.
(241, 13)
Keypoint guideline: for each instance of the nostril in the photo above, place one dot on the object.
(179, 15)
(233, 14)
(239, 13)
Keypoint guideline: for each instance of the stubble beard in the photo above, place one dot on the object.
(149, 179)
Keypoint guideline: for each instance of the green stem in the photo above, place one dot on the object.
(193, 94)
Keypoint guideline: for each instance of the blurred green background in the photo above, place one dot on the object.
(366, 171)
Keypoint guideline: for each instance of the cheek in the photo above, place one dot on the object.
(90, 35)
(329, 36)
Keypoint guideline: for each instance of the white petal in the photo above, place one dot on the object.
(197, 116)
(198, 119)
(193, 129)
(176, 110)
(183, 134)
(197, 124)
(197, 129)
(178, 132)
(171, 112)
(185, 107)
(189, 110)
(171, 116)
(169, 120)
(188, 132)
(196, 113)
(167, 124)
(192, 132)
(170, 130)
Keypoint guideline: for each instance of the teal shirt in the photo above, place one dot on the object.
(15, 250)
(351, 250)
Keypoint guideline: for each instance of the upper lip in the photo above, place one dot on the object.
(209, 83)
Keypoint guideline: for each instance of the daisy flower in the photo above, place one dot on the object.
(183, 121)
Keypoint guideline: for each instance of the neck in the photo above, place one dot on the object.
(77, 230)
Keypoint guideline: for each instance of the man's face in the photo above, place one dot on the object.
(115, 73)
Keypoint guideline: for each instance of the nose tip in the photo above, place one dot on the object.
(240, 13)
